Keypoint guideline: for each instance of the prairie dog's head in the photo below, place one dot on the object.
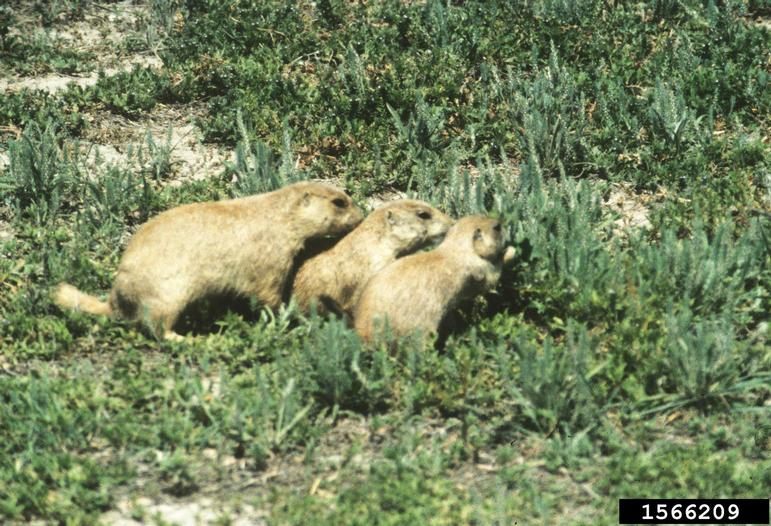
(412, 224)
(479, 233)
(324, 210)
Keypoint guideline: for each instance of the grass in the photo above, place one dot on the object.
(607, 364)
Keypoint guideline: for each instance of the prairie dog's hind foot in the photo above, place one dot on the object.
(173, 336)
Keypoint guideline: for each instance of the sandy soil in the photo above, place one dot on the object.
(633, 209)
(109, 138)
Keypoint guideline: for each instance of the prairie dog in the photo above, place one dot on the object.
(417, 291)
(244, 247)
(335, 278)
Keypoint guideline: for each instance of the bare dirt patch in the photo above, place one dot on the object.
(633, 208)
(115, 35)
(170, 128)
(201, 512)
(381, 198)
(56, 82)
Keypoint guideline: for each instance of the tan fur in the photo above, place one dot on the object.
(416, 292)
(339, 275)
(69, 297)
(243, 247)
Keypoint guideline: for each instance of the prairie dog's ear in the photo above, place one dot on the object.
(390, 217)
(306, 197)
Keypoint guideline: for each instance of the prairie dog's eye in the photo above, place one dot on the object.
(339, 202)
(423, 214)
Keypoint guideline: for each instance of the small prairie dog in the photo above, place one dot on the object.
(334, 279)
(417, 291)
(244, 247)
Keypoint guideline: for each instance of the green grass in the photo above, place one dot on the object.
(607, 364)
(37, 52)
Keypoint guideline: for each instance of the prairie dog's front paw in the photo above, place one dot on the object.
(508, 255)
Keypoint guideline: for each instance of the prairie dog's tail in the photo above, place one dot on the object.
(68, 297)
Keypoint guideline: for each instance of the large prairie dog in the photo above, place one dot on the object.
(242, 247)
(334, 279)
(416, 292)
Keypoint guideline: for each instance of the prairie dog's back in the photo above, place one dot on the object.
(190, 231)
(241, 247)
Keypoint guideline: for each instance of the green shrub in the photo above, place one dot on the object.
(42, 170)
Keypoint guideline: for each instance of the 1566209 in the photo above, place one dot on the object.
(693, 511)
